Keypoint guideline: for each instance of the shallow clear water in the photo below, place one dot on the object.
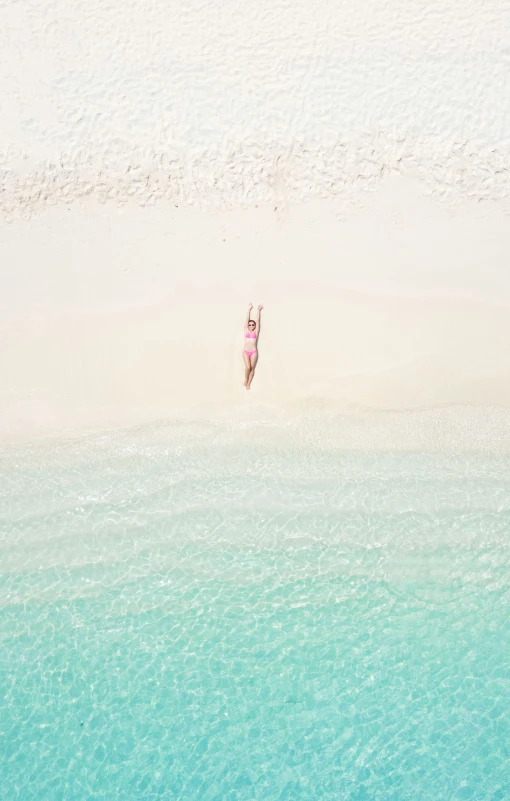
(199, 612)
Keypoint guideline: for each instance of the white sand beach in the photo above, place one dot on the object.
(163, 167)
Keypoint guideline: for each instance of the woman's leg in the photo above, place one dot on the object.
(253, 362)
(247, 367)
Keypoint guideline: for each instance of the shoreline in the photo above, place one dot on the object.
(448, 428)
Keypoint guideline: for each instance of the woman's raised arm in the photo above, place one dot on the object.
(250, 307)
(257, 319)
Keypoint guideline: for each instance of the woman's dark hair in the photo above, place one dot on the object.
(251, 321)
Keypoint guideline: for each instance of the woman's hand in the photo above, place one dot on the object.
(250, 306)
(260, 307)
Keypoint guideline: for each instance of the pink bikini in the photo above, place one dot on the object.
(250, 336)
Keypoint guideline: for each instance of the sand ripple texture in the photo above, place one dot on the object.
(228, 103)
(190, 614)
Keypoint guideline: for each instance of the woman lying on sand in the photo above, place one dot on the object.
(250, 355)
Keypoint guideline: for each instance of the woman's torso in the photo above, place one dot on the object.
(250, 340)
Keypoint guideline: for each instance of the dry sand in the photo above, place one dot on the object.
(162, 165)
(117, 318)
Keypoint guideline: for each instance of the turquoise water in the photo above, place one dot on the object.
(202, 613)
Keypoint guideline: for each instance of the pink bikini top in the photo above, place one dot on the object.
(251, 336)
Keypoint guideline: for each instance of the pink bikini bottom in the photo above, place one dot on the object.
(250, 352)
